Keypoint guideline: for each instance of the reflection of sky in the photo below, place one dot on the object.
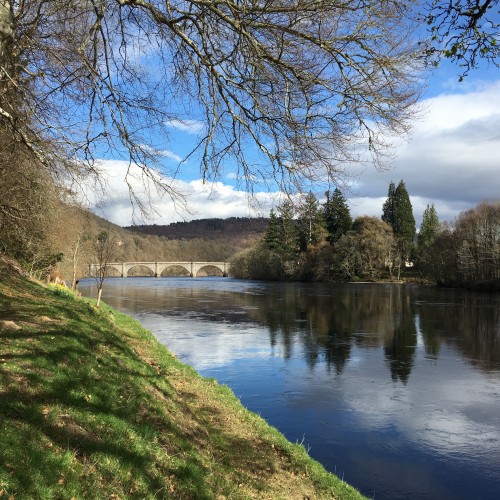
(217, 344)
(437, 436)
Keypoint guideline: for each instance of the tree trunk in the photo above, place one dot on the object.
(6, 27)
(75, 262)
(6, 39)
(7, 65)
(99, 293)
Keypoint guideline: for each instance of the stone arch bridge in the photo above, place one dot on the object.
(157, 268)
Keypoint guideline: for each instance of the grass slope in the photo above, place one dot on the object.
(92, 406)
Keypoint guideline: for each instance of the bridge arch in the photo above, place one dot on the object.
(141, 270)
(208, 267)
(115, 270)
(174, 270)
(158, 268)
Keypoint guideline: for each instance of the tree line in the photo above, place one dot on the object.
(321, 242)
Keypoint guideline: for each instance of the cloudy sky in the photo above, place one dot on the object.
(451, 160)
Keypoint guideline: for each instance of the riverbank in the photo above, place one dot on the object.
(93, 406)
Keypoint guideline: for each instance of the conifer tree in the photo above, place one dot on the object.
(281, 244)
(404, 221)
(429, 230)
(282, 233)
(272, 236)
(288, 233)
(398, 213)
(337, 215)
(388, 207)
(310, 220)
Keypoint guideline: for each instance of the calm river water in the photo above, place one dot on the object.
(396, 389)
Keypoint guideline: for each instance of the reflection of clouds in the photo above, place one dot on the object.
(434, 408)
(217, 344)
(378, 430)
(447, 409)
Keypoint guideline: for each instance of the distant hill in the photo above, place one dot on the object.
(232, 228)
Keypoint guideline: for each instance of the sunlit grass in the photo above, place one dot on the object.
(93, 406)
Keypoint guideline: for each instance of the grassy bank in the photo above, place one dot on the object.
(92, 406)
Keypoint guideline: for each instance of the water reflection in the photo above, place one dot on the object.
(394, 387)
(468, 321)
(325, 322)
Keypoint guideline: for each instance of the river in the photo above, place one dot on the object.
(394, 388)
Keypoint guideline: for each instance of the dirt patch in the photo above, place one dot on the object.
(9, 325)
(46, 319)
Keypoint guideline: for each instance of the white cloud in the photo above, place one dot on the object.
(203, 199)
(164, 153)
(188, 126)
(452, 161)
(170, 154)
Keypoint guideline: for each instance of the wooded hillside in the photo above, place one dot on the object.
(209, 229)
(199, 240)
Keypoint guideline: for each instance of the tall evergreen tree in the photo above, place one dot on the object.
(337, 215)
(404, 221)
(398, 213)
(310, 221)
(429, 230)
(388, 207)
(288, 232)
(272, 236)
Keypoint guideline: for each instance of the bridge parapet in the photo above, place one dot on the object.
(157, 268)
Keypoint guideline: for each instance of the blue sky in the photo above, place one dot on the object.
(451, 160)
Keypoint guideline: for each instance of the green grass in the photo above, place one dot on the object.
(92, 406)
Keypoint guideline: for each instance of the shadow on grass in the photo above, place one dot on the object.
(75, 405)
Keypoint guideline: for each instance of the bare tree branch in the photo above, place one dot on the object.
(288, 91)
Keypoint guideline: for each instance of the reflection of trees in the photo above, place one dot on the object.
(466, 320)
(430, 329)
(324, 322)
(400, 348)
(338, 350)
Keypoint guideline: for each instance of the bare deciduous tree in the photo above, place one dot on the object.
(105, 247)
(285, 90)
(469, 253)
(28, 204)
